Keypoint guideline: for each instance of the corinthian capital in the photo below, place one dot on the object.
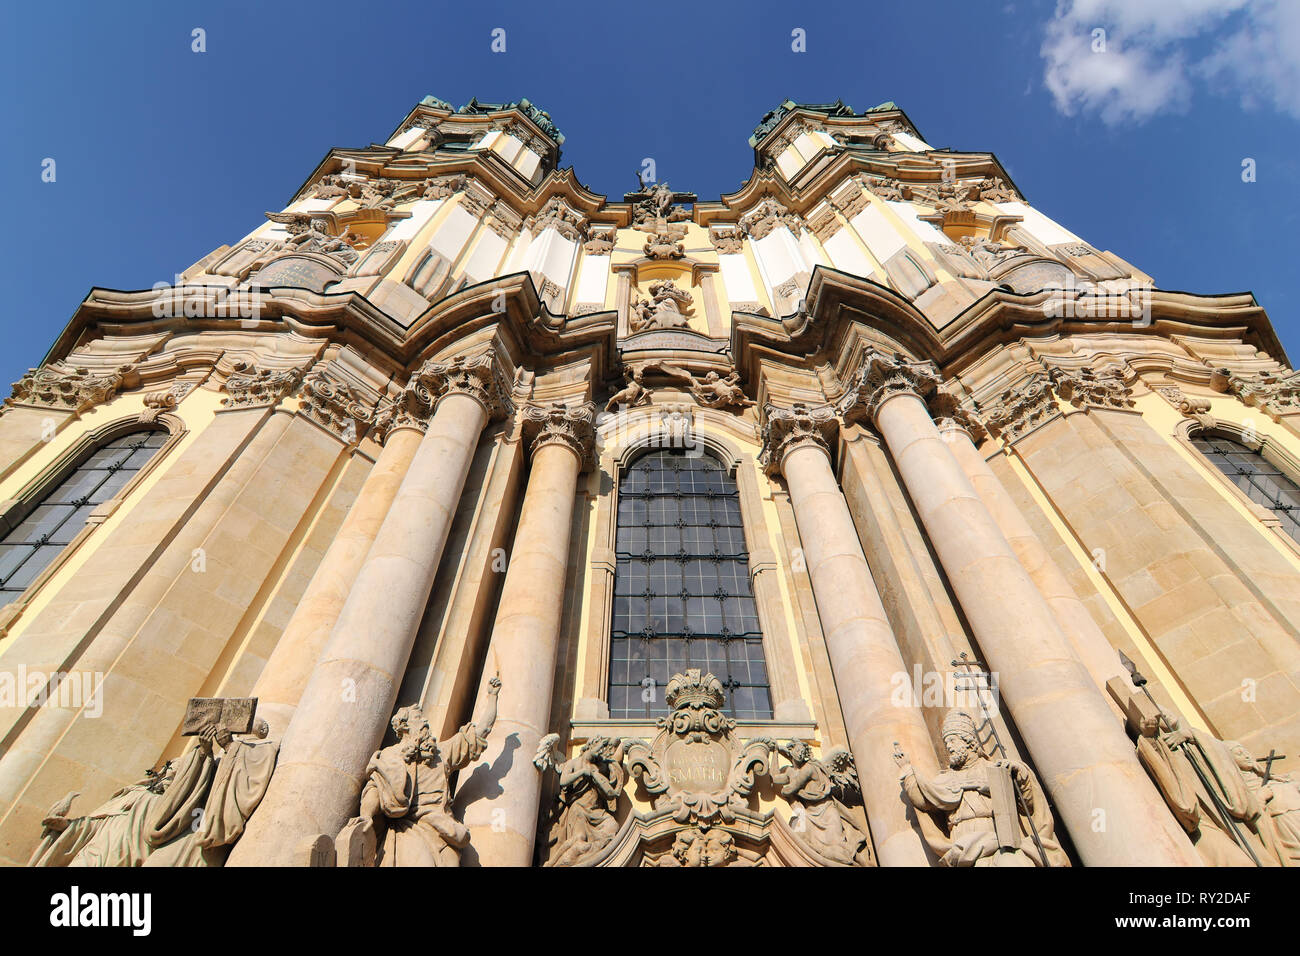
(880, 378)
(66, 387)
(1021, 408)
(785, 429)
(478, 376)
(573, 426)
(1083, 386)
(950, 412)
(249, 385)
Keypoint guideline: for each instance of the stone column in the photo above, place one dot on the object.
(1114, 815)
(1087, 639)
(865, 657)
(345, 708)
(290, 665)
(500, 794)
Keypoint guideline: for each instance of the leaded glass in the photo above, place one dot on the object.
(682, 594)
(1262, 481)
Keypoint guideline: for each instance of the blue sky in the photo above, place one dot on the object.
(163, 154)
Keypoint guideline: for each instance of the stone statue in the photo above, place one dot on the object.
(631, 394)
(664, 310)
(1279, 796)
(190, 814)
(590, 785)
(405, 817)
(717, 392)
(987, 252)
(311, 235)
(819, 791)
(113, 834)
(993, 808)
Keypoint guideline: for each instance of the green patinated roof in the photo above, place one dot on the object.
(533, 112)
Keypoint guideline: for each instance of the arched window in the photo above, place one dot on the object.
(682, 595)
(1262, 481)
(55, 518)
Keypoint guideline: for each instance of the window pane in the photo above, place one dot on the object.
(1261, 480)
(62, 513)
(681, 586)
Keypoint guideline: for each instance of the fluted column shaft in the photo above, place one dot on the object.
(1114, 815)
(500, 794)
(343, 712)
(864, 652)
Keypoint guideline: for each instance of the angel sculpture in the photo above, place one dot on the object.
(307, 234)
(717, 392)
(584, 822)
(821, 791)
(633, 393)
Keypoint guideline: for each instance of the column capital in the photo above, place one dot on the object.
(478, 376)
(1022, 408)
(250, 385)
(573, 426)
(879, 378)
(1083, 386)
(950, 412)
(65, 386)
(785, 429)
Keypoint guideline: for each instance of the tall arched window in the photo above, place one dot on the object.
(1262, 481)
(682, 595)
(56, 517)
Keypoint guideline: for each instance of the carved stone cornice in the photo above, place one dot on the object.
(785, 429)
(72, 388)
(766, 216)
(1081, 387)
(1021, 408)
(573, 426)
(880, 378)
(334, 405)
(478, 376)
(249, 386)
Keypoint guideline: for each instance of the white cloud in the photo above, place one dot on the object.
(1147, 65)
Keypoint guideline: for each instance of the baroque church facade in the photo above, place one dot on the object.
(458, 515)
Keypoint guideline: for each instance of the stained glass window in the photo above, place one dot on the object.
(682, 594)
(61, 514)
(1262, 481)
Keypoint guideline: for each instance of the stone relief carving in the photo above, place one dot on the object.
(311, 234)
(703, 847)
(75, 388)
(714, 391)
(601, 243)
(667, 308)
(558, 215)
(1021, 408)
(153, 822)
(885, 188)
(820, 791)
(335, 405)
(1084, 386)
(989, 253)
(695, 767)
(766, 216)
(787, 428)
(582, 821)
(159, 402)
(405, 815)
(1191, 406)
(249, 385)
(994, 811)
(444, 187)
(996, 189)
(664, 222)
(727, 242)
